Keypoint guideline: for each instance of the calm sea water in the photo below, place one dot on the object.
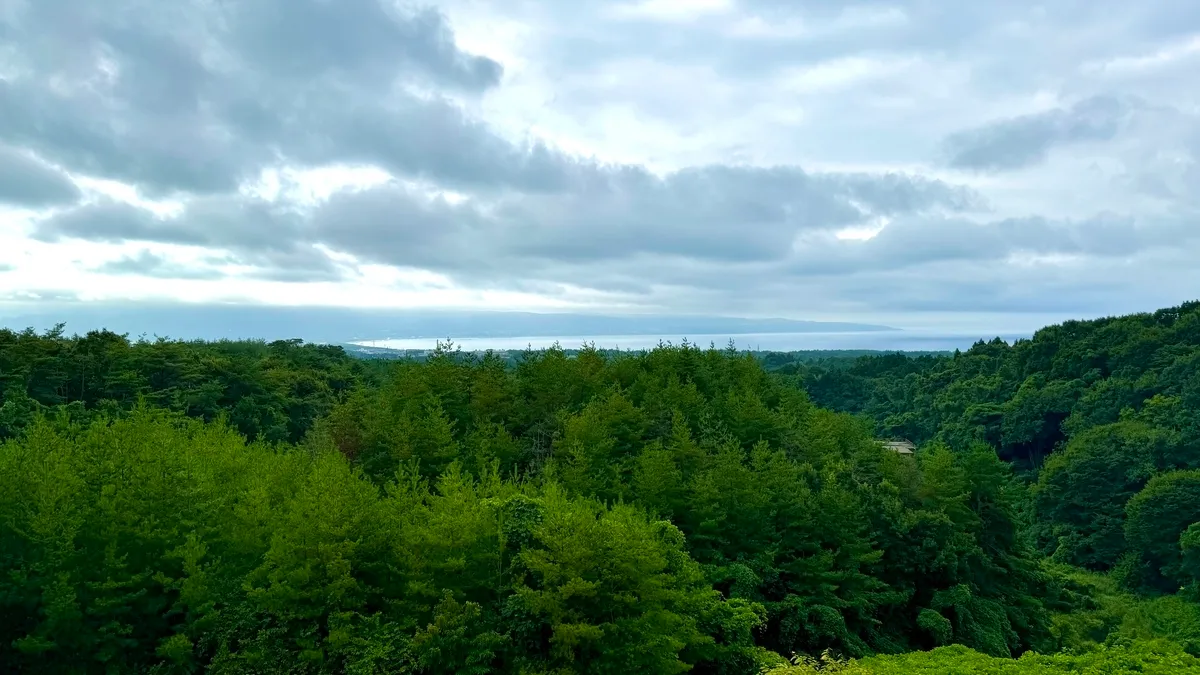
(883, 340)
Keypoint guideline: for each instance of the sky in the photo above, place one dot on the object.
(913, 163)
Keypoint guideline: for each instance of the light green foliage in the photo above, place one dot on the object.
(156, 540)
(1111, 614)
(938, 626)
(1150, 658)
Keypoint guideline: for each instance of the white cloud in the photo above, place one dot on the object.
(850, 18)
(671, 10)
(1170, 54)
(840, 73)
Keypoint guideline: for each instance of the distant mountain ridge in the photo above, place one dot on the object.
(341, 325)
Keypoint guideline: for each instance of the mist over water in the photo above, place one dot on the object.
(781, 342)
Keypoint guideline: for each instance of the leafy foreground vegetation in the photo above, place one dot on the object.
(1161, 658)
(174, 507)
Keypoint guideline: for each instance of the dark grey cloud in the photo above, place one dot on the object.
(300, 263)
(719, 214)
(716, 228)
(396, 224)
(1026, 140)
(203, 95)
(219, 221)
(148, 264)
(26, 181)
(980, 263)
(255, 233)
(916, 243)
(422, 138)
(111, 221)
(359, 38)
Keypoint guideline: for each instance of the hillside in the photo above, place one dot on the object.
(250, 507)
(1102, 415)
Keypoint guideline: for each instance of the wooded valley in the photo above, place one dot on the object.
(243, 507)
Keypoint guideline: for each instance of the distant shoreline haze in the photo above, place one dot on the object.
(882, 341)
(479, 331)
(334, 325)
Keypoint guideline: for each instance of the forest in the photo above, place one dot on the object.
(170, 506)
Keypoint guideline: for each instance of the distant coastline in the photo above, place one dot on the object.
(343, 325)
(881, 341)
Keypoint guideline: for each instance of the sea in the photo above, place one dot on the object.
(898, 340)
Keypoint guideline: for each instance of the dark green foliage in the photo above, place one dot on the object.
(1025, 398)
(1156, 520)
(1089, 411)
(270, 391)
(1082, 490)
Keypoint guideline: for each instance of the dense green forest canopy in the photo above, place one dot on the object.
(1103, 416)
(178, 507)
(269, 391)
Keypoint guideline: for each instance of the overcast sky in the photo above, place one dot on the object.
(918, 162)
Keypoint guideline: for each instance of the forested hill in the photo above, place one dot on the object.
(179, 507)
(1106, 412)
(649, 513)
(1026, 398)
(271, 391)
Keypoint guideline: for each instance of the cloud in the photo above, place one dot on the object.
(31, 295)
(26, 181)
(919, 243)
(200, 97)
(114, 221)
(788, 158)
(1028, 139)
(723, 214)
(714, 214)
(148, 264)
(253, 232)
(358, 37)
